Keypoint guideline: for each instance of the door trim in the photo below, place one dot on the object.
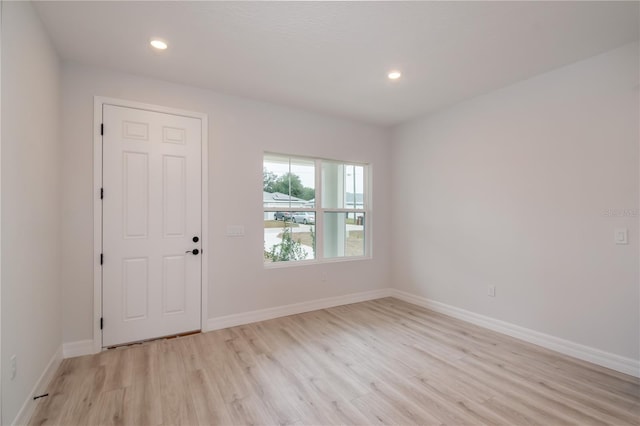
(98, 102)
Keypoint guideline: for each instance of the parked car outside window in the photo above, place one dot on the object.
(282, 216)
(304, 217)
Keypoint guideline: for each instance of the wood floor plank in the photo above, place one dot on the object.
(379, 362)
(208, 402)
(142, 405)
(173, 384)
(109, 408)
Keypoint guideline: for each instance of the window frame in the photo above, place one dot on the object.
(319, 210)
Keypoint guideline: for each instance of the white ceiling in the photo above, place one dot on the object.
(333, 57)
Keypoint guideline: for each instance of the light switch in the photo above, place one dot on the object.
(235, 230)
(621, 236)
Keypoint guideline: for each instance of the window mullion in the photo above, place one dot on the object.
(319, 212)
(366, 205)
(289, 181)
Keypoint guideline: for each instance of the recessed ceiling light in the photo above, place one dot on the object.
(158, 44)
(394, 75)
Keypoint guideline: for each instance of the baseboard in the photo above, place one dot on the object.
(79, 348)
(27, 409)
(296, 308)
(596, 356)
(586, 353)
(86, 347)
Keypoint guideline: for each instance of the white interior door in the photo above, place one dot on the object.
(151, 229)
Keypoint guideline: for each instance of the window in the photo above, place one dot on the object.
(314, 209)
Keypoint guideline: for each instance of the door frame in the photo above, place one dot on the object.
(98, 102)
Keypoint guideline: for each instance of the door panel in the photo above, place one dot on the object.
(151, 211)
(175, 192)
(135, 169)
(135, 288)
(174, 284)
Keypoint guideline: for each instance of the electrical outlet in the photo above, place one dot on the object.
(621, 236)
(491, 291)
(14, 366)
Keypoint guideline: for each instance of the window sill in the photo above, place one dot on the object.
(293, 264)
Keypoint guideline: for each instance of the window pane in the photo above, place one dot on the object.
(342, 186)
(289, 236)
(288, 182)
(344, 234)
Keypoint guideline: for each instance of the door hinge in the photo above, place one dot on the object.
(101, 258)
(101, 193)
(101, 323)
(101, 128)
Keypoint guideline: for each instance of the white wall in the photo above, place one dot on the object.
(31, 318)
(511, 189)
(1, 211)
(239, 131)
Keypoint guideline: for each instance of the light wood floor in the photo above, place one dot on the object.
(378, 362)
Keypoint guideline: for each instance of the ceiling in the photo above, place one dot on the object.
(333, 57)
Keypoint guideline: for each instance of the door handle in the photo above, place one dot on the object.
(193, 252)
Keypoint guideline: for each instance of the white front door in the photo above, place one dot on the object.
(151, 229)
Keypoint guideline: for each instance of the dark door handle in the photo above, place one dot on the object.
(193, 252)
